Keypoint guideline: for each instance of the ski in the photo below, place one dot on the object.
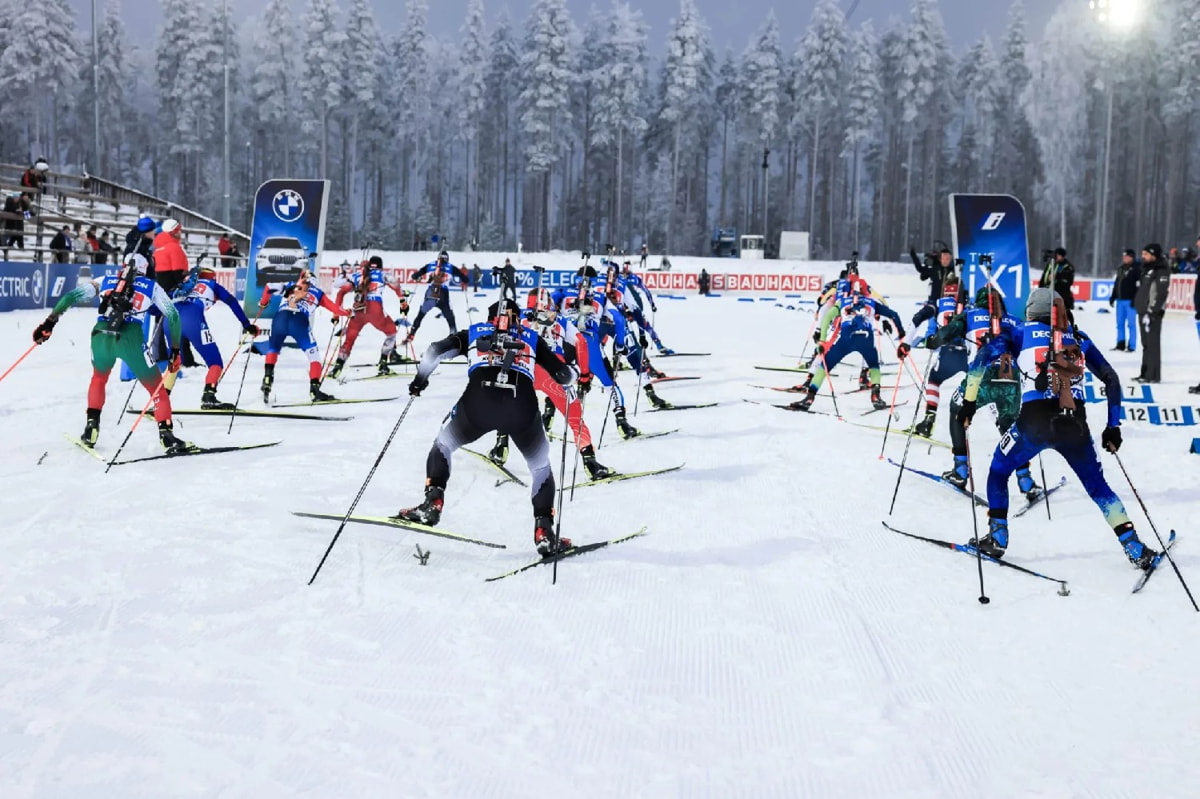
(877, 410)
(1148, 573)
(1062, 481)
(403, 361)
(787, 408)
(658, 380)
(195, 450)
(391, 521)
(682, 355)
(378, 377)
(787, 390)
(639, 436)
(567, 553)
(780, 369)
(937, 478)
(77, 441)
(900, 432)
(967, 549)
(670, 407)
(332, 402)
(240, 412)
(509, 477)
(616, 478)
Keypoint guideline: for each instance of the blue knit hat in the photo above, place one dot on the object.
(145, 224)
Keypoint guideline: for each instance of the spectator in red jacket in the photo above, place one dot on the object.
(170, 261)
(229, 251)
(34, 178)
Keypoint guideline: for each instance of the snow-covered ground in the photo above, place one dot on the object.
(767, 638)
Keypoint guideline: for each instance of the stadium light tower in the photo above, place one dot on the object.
(1116, 16)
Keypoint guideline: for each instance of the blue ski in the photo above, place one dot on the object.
(1062, 481)
(937, 478)
(967, 549)
(1148, 573)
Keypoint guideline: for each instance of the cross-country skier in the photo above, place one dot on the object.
(442, 275)
(634, 287)
(300, 299)
(570, 345)
(368, 284)
(853, 332)
(125, 297)
(951, 358)
(1053, 355)
(978, 324)
(499, 396)
(198, 297)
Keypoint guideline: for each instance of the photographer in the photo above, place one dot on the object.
(936, 264)
(1059, 275)
(507, 275)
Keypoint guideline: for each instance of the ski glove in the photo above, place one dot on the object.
(585, 383)
(903, 350)
(252, 329)
(966, 414)
(418, 385)
(887, 327)
(41, 333)
(653, 309)
(816, 338)
(1111, 438)
(174, 360)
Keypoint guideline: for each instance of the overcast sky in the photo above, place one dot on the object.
(731, 23)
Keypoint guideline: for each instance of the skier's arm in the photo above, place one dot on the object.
(435, 353)
(888, 313)
(1102, 369)
(83, 293)
(563, 373)
(162, 301)
(224, 296)
(953, 330)
(333, 307)
(926, 313)
(345, 289)
(420, 273)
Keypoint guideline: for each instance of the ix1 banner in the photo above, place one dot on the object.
(287, 234)
(992, 226)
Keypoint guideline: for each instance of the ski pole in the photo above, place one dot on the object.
(908, 442)
(241, 342)
(1042, 466)
(562, 487)
(891, 412)
(575, 467)
(363, 489)
(153, 398)
(983, 597)
(1161, 543)
(326, 362)
(238, 400)
(829, 380)
(812, 329)
(24, 355)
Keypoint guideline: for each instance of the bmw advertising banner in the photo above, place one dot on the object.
(287, 232)
(992, 227)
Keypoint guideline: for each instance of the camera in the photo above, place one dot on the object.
(1047, 255)
(985, 260)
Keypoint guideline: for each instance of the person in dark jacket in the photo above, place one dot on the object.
(1151, 305)
(1061, 273)
(14, 226)
(1125, 287)
(61, 246)
(705, 281)
(141, 240)
(34, 178)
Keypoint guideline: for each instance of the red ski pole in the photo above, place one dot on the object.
(24, 355)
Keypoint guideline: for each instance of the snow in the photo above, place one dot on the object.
(767, 638)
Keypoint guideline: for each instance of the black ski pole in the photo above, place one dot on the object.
(562, 487)
(908, 443)
(1045, 488)
(241, 384)
(1161, 543)
(983, 597)
(363, 489)
(829, 380)
(152, 401)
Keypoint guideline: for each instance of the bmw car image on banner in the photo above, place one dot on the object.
(288, 229)
(992, 225)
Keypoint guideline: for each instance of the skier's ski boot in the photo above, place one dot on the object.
(429, 512)
(499, 453)
(166, 436)
(209, 401)
(665, 351)
(924, 428)
(1027, 485)
(805, 402)
(314, 391)
(1140, 555)
(627, 430)
(877, 402)
(801, 388)
(1119, 348)
(864, 379)
(335, 371)
(658, 402)
(384, 371)
(91, 429)
(996, 541)
(653, 373)
(543, 537)
(547, 414)
(596, 469)
(268, 382)
(957, 476)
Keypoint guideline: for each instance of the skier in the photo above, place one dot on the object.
(854, 332)
(199, 295)
(633, 303)
(442, 275)
(499, 396)
(125, 297)
(978, 324)
(1053, 355)
(293, 319)
(951, 358)
(368, 284)
(570, 345)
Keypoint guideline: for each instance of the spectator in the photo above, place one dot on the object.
(1173, 259)
(141, 240)
(1125, 288)
(705, 281)
(107, 249)
(645, 254)
(1151, 304)
(14, 227)
(476, 276)
(93, 242)
(79, 243)
(61, 246)
(34, 178)
(1187, 262)
(934, 267)
(170, 261)
(1061, 273)
(229, 251)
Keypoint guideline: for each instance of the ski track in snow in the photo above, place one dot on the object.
(766, 638)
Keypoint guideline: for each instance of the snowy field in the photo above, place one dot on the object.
(767, 638)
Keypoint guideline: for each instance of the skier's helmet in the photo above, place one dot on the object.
(138, 262)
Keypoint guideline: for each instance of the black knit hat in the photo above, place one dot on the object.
(1061, 251)
(1154, 249)
(1129, 251)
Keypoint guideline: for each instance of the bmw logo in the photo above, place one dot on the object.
(36, 286)
(288, 205)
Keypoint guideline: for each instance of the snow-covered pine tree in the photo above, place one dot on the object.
(412, 98)
(1016, 165)
(862, 106)
(925, 69)
(40, 73)
(979, 82)
(502, 78)
(472, 102)
(728, 103)
(321, 79)
(183, 60)
(361, 76)
(274, 93)
(117, 131)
